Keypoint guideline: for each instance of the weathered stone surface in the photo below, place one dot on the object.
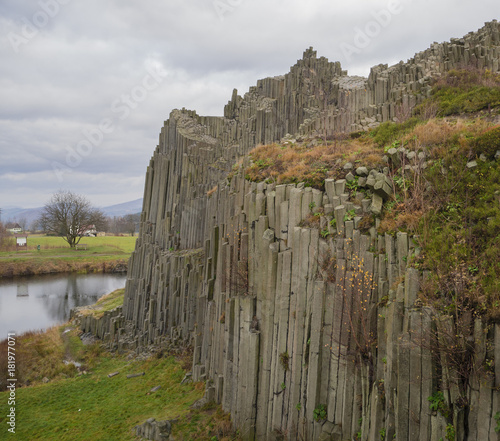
(362, 171)
(330, 188)
(382, 189)
(140, 374)
(340, 186)
(393, 155)
(154, 430)
(376, 205)
(370, 182)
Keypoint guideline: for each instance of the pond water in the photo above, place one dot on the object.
(38, 302)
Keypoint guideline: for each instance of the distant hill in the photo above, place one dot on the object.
(15, 214)
(131, 207)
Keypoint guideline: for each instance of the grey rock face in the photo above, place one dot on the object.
(154, 430)
(266, 303)
(362, 171)
(377, 202)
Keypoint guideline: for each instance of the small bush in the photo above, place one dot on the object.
(284, 360)
(438, 404)
(435, 132)
(7, 242)
(488, 143)
(387, 132)
(366, 223)
(320, 412)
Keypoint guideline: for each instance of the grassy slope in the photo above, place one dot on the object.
(85, 404)
(96, 407)
(56, 256)
(90, 405)
(105, 303)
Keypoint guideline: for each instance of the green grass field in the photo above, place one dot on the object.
(95, 407)
(55, 255)
(89, 405)
(104, 244)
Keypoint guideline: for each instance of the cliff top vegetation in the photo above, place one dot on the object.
(443, 160)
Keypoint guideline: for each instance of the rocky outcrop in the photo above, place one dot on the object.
(302, 333)
(154, 430)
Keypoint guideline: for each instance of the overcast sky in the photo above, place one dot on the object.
(86, 85)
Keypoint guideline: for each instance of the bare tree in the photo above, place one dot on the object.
(70, 216)
(6, 240)
(125, 224)
(23, 223)
(131, 221)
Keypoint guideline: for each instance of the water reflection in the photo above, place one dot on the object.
(22, 289)
(38, 302)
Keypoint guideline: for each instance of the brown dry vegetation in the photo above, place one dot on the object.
(294, 163)
(36, 267)
(438, 138)
(469, 75)
(435, 195)
(40, 354)
(438, 135)
(7, 241)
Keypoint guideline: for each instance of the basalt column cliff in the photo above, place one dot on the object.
(222, 264)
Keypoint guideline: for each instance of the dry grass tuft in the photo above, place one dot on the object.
(399, 218)
(39, 354)
(212, 191)
(312, 220)
(311, 164)
(434, 132)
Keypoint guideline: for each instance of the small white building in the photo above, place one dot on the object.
(15, 229)
(89, 231)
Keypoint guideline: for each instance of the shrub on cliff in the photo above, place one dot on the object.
(387, 132)
(466, 91)
(460, 235)
(487, 143)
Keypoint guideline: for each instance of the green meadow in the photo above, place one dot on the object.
(58, 401)
(48, 254)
